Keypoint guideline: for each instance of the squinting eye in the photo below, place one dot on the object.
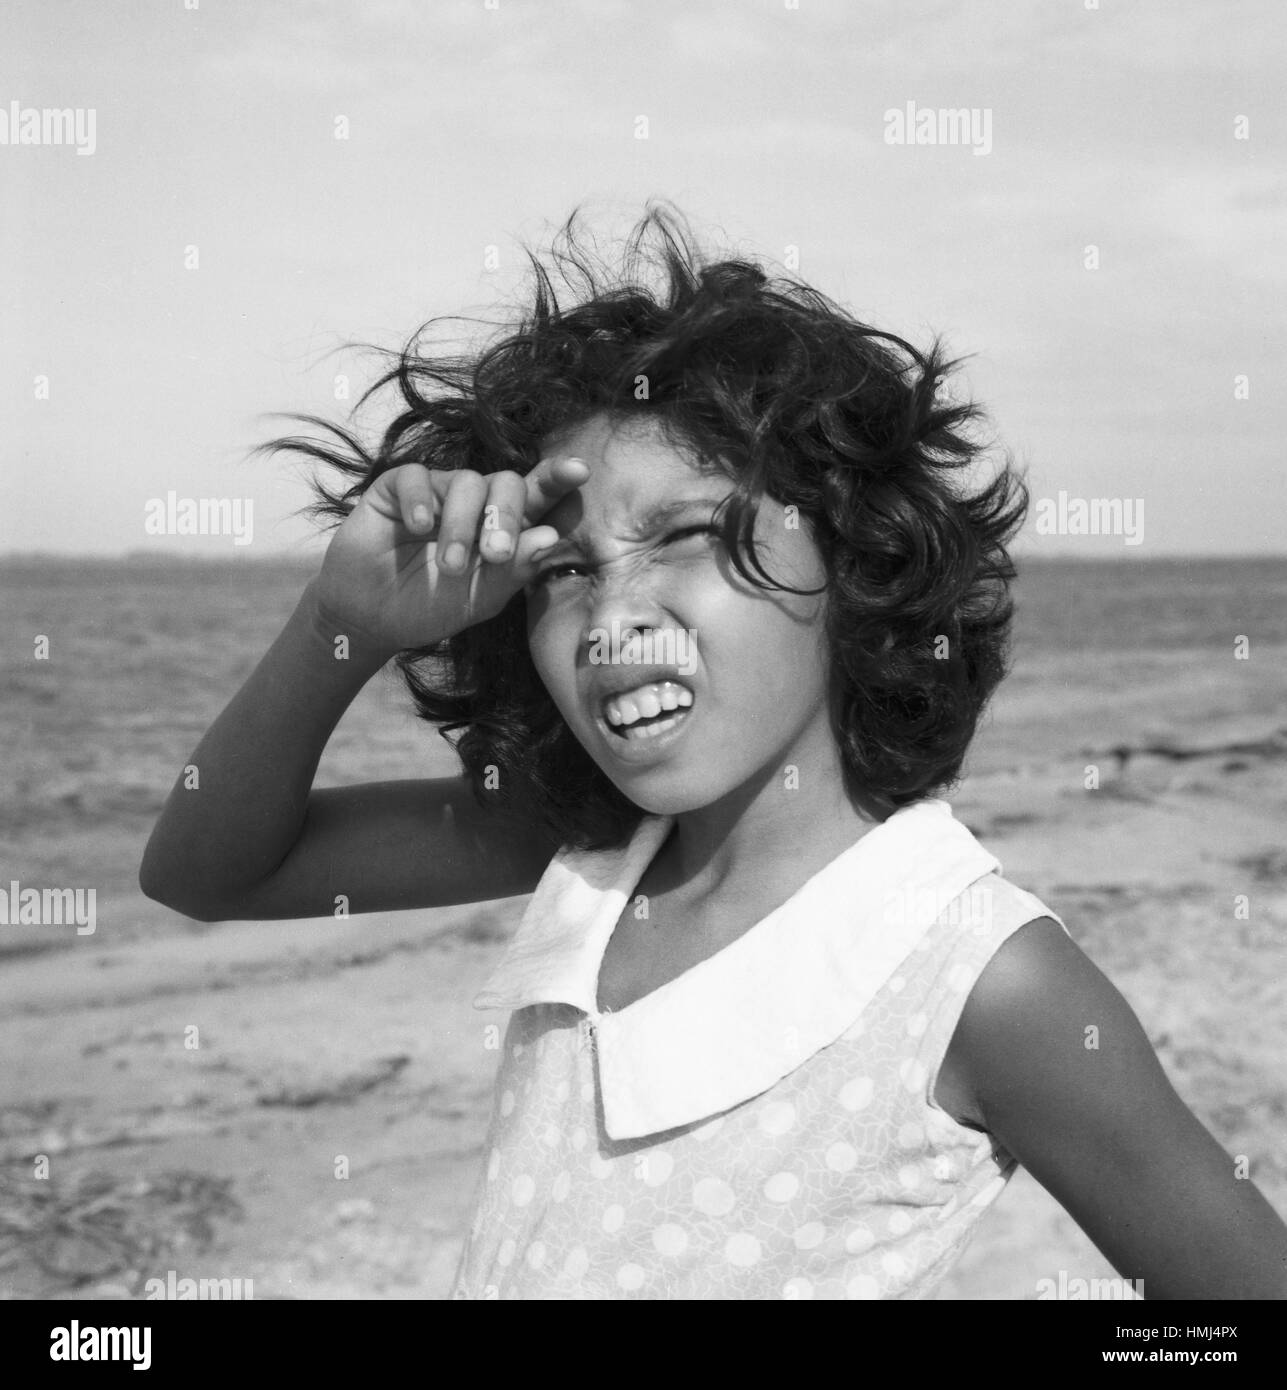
(556, 572)
(686, 531)
(569, 571)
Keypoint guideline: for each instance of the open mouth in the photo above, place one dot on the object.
(648, 710)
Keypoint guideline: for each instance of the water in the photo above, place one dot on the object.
(144, 652)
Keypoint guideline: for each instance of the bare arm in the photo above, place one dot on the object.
(249, 839)
(243, 835)
(1103, 1130)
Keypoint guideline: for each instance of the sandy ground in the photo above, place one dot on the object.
(329, 1047)
(322, 1041)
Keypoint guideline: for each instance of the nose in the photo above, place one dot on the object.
(621, 601)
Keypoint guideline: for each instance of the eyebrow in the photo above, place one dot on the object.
(653, 520)
(666, 512)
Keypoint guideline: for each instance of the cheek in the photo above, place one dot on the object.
(799, 620)
(788, 622)
(766, 655)
(552, 644)
(790, 665)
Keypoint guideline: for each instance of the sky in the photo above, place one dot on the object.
(1112, 262)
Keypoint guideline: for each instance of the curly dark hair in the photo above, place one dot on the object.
(770, 382)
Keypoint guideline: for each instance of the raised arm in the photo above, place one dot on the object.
(242, 833)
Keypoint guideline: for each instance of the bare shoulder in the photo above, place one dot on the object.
(1039, 988)
(1051, 1061)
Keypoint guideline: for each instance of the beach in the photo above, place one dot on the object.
(303, 1104)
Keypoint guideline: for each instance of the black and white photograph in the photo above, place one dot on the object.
(644, 658)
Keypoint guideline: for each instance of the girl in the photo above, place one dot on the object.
(695, 581)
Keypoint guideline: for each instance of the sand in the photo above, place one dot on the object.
(321, 1131)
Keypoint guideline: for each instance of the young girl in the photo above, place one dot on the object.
(696, 579)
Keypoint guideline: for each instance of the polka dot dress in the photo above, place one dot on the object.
(843, 1180)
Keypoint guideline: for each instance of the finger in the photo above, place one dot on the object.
(412, 488)
(410, 481)
(459, 521)
(550, 481)
(502, 515)
(533, 544)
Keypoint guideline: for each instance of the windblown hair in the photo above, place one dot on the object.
(779, 388)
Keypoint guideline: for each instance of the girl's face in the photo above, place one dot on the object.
(683, 682)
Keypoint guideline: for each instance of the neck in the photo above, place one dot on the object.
(785, 826)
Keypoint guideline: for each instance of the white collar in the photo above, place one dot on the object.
(731, 1026)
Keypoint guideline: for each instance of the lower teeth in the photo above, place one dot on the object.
(638, 731)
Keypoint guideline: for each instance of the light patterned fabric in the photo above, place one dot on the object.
(763, 1125)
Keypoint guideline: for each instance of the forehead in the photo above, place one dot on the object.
(634, 469)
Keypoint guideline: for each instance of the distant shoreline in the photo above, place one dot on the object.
(174, 559)
(161, 559)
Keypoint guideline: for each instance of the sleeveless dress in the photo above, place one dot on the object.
(762, 1126)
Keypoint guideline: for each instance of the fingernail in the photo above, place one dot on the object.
(420, 514)
(501, 542)
(455, 556)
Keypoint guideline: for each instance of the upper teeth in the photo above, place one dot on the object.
(646, 701)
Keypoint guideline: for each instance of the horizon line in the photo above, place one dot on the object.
(211, 557)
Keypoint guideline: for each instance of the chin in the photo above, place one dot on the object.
(660, 795)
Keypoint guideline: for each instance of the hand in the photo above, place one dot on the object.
(429, 552)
